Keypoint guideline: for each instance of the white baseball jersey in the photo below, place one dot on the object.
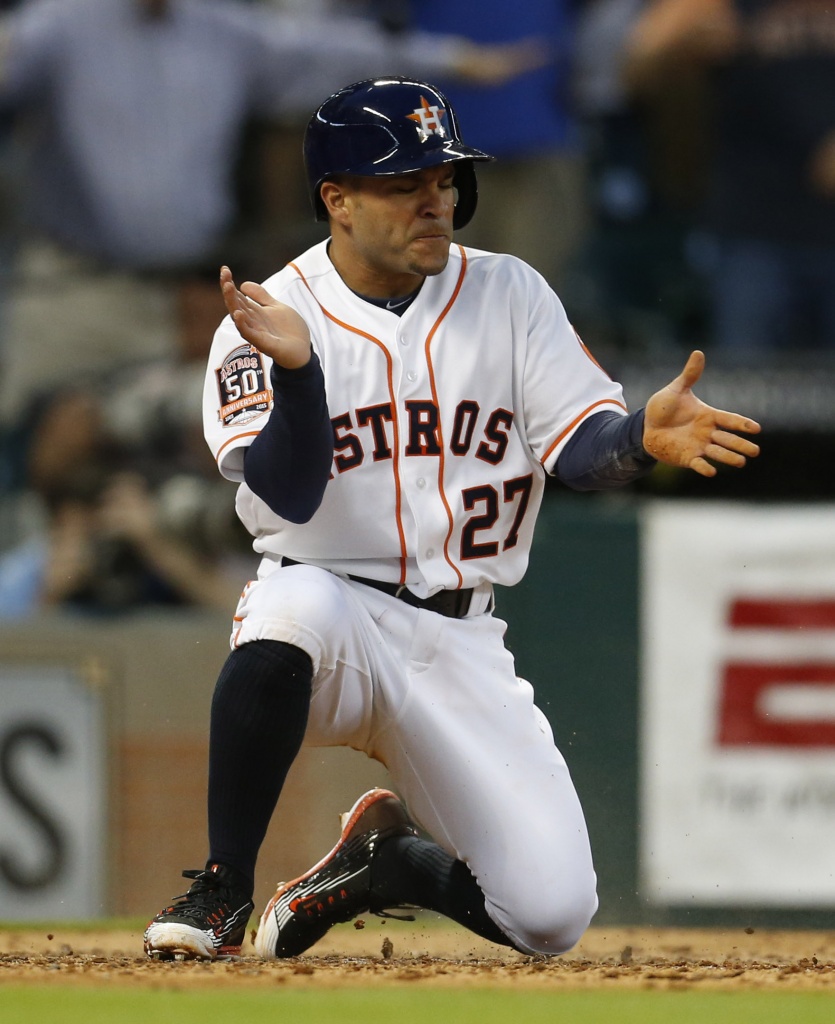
(446, 420)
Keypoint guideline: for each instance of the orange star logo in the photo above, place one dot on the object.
(428, 117)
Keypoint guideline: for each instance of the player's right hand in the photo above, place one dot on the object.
(274, 328)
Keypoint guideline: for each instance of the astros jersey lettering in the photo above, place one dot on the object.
(445, 420)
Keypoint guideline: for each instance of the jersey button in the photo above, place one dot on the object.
(430, 552)
(411, 375)
(404, 340)
(421, 482)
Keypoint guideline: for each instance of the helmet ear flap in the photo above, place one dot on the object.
(466, 186)
(319, 211)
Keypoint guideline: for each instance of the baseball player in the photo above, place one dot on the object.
(390, 404)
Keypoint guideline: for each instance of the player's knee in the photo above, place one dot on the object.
(318, 603)
(301, 606)
(553, 926)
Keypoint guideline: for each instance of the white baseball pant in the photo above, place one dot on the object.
(438, 702)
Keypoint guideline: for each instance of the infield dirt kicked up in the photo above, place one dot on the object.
(375, 951)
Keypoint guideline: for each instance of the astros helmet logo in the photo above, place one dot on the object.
(428, 117)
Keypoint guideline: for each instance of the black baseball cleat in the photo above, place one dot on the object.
(208, 922)
(339, 886)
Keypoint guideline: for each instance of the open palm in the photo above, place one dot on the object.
(272, 327)
(681, 430)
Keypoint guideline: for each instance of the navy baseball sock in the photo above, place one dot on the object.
(407, 869)
(258, 718)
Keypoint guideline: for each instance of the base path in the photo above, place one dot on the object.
(375, 952)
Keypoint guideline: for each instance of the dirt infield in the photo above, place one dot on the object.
(377, 952)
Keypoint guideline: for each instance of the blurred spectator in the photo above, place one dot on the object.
(632, 287)
(132, 113)
(769, 212)
(531, 201)
(99, 543)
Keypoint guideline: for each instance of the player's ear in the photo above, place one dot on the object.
(334, 195)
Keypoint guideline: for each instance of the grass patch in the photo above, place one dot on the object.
(407, 1004)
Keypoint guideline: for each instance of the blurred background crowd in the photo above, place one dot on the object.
(669, 167)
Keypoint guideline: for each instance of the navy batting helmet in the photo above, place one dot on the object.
(386, 126)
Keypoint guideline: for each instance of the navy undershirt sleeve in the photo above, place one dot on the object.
(605, 451)
(289, 463)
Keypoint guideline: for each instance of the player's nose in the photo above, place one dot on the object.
(436, 201)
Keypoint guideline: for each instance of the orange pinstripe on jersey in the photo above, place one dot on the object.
(232, 440)
(577, 419)
(398, 500)
(584, 347)
(239, 618)
(434, 388)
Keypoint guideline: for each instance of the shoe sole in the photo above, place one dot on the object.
(173, 940)
(267, 936)
(179, 942)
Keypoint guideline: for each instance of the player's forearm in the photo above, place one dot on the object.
(606, 451)
(288, 465)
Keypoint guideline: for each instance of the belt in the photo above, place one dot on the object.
(453, 603)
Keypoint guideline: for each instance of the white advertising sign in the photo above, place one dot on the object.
(738, 705)
(52, 795)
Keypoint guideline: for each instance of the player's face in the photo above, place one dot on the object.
(390, 233)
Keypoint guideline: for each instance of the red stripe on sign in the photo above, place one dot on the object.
(783, 614)
(742, 720)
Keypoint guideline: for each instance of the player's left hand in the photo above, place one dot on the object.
(681, 430)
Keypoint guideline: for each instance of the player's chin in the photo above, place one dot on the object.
(429, 255)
